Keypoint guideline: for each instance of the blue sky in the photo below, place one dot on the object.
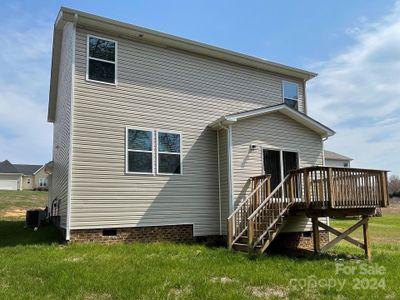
(353, 45)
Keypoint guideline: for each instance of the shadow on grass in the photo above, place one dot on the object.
(14, 233)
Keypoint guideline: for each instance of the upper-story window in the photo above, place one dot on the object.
(101, 65)
(291, 94)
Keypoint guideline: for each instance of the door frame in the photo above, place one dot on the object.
(281, 150)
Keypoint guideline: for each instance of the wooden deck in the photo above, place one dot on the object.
(315, 191)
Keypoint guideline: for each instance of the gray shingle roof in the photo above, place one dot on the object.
(7, 167)
(27, 169)
(336, 156)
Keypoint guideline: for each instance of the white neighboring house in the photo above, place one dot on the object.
(333, 159)
(22, 177)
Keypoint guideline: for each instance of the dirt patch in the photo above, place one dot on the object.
(13, 213)
(268, 292)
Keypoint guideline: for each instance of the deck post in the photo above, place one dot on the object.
(330, 188)
(367, 247)
(229, 238)
(250, 231)
(307, 188)
(316, 237)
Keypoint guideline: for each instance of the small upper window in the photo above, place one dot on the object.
(291, 94)
(169, 153)
(101, 60)
(139, 151)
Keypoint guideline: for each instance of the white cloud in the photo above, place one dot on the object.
(25, 136)
(357, 93)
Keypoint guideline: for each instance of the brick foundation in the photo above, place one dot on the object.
(173, 233)
(298, 240)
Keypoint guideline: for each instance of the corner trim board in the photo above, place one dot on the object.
(69, 196)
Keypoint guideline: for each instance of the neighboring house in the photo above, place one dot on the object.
(333, 159)
(156, 136)
(22, 177)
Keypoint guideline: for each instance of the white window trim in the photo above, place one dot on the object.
(280, 150)
(147, 151)
(283, 91)
(102, 60)
(42, 182)
(175, 153)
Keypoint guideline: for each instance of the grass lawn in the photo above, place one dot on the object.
(34, 265)
(15, 203)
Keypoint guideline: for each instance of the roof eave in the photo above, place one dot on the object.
(140, 33)
(63, 17)
(307, 121)
(150, 36)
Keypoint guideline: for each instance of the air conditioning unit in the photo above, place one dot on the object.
(34, 217)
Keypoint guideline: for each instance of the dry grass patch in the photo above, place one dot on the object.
(223, 280)
(265, 292)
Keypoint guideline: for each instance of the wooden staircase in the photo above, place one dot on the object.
(253, 228)
(317, 191)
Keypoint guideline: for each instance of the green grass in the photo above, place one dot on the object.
(12, 202)
(34, 265)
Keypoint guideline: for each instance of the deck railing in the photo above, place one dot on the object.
(331, 187)
(237, 221)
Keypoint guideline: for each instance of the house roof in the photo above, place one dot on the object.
(28, 169)
(303, 119)
(335, 156)
(153, 37)
(7, 167)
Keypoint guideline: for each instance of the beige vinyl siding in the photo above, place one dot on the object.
(223, 158)
(25, 184)
(161, 89)
(61, 130)
(38, 175)
(274, 131)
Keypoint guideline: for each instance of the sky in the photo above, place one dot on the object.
(353, 45)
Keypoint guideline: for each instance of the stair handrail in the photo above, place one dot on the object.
(268, 198)
(233, 236)
(252, 217)
(248, 198)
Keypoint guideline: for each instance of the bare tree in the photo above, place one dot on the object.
(394, 184)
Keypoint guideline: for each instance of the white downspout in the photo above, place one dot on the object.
(230, 171)
(219, 186)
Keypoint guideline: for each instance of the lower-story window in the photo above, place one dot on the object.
(169, 153)
(42, 182)
(139, 151)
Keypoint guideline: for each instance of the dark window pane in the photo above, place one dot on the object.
(290, 90)
(169, 163)
(102, 49)
(101, 71)
(139, 162)
(139, 140)
(291, 103)
(169, 142)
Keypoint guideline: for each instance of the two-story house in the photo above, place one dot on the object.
(157, 137)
